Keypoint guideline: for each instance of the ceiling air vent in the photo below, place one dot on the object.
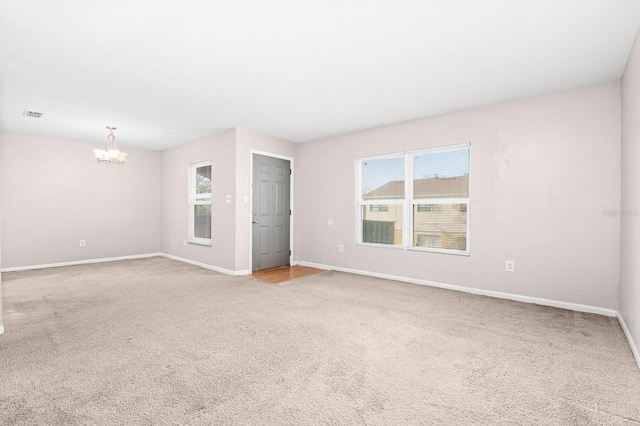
(32, 114)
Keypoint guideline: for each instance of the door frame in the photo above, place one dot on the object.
(291, 203)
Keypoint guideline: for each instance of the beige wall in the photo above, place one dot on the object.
(220, 149)
(630, 198)
(55, 193)
(230, 153)
(542, 171)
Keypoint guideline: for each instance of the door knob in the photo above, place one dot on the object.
(255, 222)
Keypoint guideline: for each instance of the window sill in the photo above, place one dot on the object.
(440, 251)
(200, 242)
(387, 246)
(418, 249)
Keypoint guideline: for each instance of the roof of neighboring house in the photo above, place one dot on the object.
(435, 187)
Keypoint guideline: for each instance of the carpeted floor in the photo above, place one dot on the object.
(155, 341)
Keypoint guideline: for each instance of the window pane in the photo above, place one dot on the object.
(378, 208)
(444, 228)
(428, 208)
(383, 178)
(429, 240)
(441, 174)
(202, 221)
(382, 226)
(203, 180)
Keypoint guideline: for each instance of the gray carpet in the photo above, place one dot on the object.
(155, 341)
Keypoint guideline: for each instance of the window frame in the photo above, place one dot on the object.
(408, 202)
(195, 199)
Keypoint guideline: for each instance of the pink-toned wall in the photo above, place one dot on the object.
(230, 153)
(220, 149)
(54, 194)
(630, 199)
(245, 142)
(542, 172)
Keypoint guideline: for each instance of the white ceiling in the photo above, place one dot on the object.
(167, 72)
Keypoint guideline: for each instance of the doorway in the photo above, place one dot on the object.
(271, 212)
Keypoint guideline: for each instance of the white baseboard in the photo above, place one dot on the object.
(137, 256)
(634, 348)
(205, 266)
(1, 329)
(490, 293)
(80, 262)
(497, 294)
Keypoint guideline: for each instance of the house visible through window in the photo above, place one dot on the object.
(382, 200)
(430, 213)
(432, 241)
(428, 208)
(200, 203)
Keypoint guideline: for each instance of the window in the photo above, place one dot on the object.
(428, 208)
(382, 200)
(432, 241)
(200, 203)
(431, 213)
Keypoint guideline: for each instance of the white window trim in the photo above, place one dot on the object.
(409, 201)
(193, 200)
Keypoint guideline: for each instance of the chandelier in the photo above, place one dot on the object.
(111, 155)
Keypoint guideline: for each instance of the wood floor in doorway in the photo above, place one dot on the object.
(283, 274)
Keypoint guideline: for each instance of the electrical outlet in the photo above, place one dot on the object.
(83, 243)
(227, 199)
(340, 248)
(510, 266)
